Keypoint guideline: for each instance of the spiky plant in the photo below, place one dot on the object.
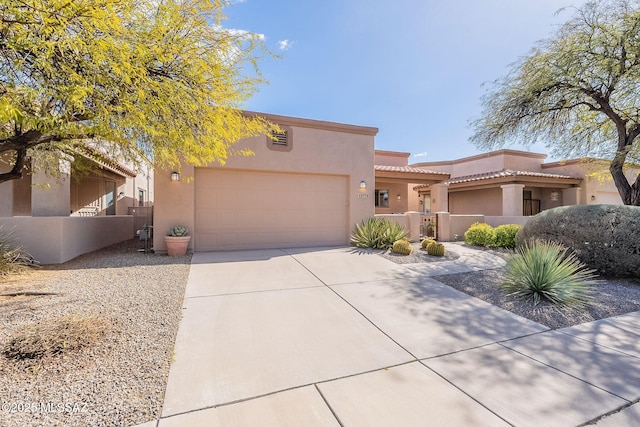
(178, 231)
(12, 256)
(426, 242)
(436, 249)
(377, 233)
(402, 247)
(544, 270)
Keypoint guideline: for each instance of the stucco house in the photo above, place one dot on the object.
(305, 187)
(499, 187)
(498, 183)
(517, 183)
(87, 204)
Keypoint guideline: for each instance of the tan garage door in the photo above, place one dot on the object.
(247, 209)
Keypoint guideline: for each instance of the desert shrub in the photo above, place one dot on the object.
(402, 247)
(377, 233)
(604, 237)
(506, 236)
(480, 234)
(436, 249)
(426, 242)
(55, 336)
(543, 270)
(12, 256)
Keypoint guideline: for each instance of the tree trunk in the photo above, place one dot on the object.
(630, 194)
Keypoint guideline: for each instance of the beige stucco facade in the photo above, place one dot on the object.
(281, 196)
(395, 180)
(504, 183)
(58, 216)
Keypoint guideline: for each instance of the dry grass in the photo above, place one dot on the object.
(55, 336)
(26, 280)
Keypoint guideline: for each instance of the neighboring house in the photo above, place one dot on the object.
(90, 184)
(395, 180)
(49, 213)
(516, 183)
(307, 187)
(504, 186)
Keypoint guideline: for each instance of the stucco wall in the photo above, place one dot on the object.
(54, 240)
(495, 161)
(317, 148)
(488, 201)
(391, 158)
(395, 206)
(6, 192)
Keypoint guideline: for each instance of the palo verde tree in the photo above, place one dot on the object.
(578, 92)
(155, 77)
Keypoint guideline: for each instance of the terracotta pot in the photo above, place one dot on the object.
(177, 246)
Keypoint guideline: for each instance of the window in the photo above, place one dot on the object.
(140, 197)
(382, 198)
(110, 197)
(281, 141)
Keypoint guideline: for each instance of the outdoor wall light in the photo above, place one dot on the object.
(593, 198)
(175, 176)
(398, 197)
(363, 186)
(420, 201)
(554, 196)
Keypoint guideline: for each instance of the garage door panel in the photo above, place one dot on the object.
(250, 209)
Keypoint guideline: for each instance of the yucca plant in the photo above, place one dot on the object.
(377, 233)
(543, 270)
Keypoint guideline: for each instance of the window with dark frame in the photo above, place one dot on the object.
(382, 198)
(140, 197)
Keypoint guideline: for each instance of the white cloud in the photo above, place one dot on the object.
(423, 154)
(285, 44)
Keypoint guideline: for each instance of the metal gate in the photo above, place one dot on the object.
(142, 216)
(429, 226)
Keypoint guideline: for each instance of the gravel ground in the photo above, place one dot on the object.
(119, 380)
(612, 296)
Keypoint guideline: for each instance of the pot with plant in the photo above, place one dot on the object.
(177, 240)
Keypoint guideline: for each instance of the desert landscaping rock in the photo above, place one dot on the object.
(611, 297)
(117, 381)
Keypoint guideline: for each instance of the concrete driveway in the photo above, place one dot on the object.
(337, 336)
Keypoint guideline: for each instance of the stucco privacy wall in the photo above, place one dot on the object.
(318, 148)
(57, 239)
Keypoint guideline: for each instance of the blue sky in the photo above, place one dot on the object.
(412, 68)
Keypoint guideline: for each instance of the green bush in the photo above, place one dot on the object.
(377, 233)
(542, 270)
(480, 234)
(604, 237)
(402, 247)
(506, 236)
(12, 256)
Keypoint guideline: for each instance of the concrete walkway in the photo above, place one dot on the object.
(331, 337)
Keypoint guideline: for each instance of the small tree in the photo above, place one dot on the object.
(579, 92)
(156, 77)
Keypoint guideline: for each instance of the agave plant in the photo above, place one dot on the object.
(377, 233)
(178, 231)
(542, 270)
